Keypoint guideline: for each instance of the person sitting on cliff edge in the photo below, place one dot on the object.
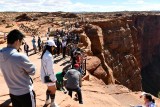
(148, 100)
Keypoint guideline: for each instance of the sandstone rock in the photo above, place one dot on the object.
(97, 47)
(69, 15)
(77, 30)
(88, 52)
(23, 17)
(86, 77)
(94, 67)
(2, 41)
(117, 42)
(118, 14)
(95, 35)
(92, 63)
(86, 41)
(3, 21)
(100, 73)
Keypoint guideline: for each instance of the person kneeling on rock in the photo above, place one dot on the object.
(60, 81)
(74, 82)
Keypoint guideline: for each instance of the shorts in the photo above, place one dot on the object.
(50, 84)
(26, 100)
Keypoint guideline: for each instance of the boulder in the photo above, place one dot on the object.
(92, 63)
(95, 35)
(94, 67)
(23, 17)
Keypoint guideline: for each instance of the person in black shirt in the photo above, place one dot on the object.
(26, 48)
(39, 44)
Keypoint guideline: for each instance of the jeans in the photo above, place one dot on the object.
(80, 70)
(78, 90)
(58, 50)
(26, 52)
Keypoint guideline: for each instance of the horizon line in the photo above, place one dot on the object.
(81, 11)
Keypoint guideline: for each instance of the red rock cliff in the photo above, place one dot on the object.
(127, 45)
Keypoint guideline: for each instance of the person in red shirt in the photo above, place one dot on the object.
(79, 61)
(78, 58)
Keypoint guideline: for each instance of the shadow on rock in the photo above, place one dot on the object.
(6, 103)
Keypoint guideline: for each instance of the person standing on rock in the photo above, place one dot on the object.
(47, 35)
(34, 44)
(47, 69)
(64, 47)
(77, 38)
(79, 61)
(74, 82)
(16, 69)
(59, 43)
(39, 44)
(26, 48)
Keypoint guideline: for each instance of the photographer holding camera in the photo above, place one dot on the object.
(47, 72)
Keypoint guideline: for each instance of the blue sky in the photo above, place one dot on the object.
(79, 5)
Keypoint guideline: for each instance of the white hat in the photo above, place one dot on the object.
(51, 43)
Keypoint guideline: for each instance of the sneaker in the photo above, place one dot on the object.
(80, 102)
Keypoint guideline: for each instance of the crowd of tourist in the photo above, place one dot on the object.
(17, 68)
(19, 82)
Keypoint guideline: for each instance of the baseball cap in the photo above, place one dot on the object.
(76, 65)
(51, 43)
